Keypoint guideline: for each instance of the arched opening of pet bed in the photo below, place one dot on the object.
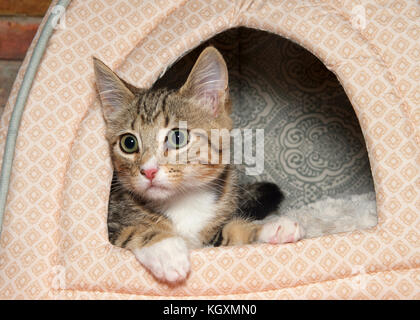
(314, 146)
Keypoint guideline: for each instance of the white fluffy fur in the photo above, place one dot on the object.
(191, 214)
(168, 259)
(330, 215)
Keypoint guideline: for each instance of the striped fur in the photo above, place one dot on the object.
(139, 218)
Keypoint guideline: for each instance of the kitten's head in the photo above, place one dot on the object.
(153, 153)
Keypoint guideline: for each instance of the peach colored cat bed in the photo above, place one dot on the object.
(54, 236)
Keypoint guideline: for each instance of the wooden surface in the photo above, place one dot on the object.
(15, 37)
(33, 8)
(19, 21)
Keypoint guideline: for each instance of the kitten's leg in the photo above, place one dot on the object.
(161, 251)
(273, 230)
(240, 231)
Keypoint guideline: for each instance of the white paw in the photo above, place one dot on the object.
(168, 260)
(281, 230)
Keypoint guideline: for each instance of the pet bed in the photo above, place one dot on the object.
(54, 237)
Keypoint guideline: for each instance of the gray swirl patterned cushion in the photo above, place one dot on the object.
(313, 143)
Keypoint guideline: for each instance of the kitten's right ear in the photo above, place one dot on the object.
(112, 90)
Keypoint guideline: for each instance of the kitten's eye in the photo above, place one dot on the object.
(129, 144)
(177, 138)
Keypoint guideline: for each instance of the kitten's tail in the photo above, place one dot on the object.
(258, 200)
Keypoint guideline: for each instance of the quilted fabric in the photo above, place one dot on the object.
(54, 240)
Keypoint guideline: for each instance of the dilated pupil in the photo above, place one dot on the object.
(129, 142)
(178, 138)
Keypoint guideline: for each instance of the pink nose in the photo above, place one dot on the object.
(149, 173)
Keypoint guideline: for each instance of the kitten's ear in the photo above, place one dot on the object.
(112, 90)
(208, 81)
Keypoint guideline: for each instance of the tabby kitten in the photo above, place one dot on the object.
(160, 209)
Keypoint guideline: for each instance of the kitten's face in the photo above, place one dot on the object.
(160, 140)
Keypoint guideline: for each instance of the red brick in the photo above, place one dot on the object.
(34, 8)
(15, 38)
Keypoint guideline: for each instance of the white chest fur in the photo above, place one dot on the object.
(191, 214)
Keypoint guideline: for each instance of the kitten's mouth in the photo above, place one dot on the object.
(156, 187)
(157, 191)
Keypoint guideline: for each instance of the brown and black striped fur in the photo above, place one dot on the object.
(136, 220)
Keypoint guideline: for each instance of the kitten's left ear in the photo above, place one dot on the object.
(113, 91)
(208, 81)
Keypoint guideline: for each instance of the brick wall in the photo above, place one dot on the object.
(19, 21)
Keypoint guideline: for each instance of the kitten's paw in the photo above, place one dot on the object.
(281, 230)
(168, 260)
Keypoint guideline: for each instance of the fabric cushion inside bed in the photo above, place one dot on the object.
(314, 146)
